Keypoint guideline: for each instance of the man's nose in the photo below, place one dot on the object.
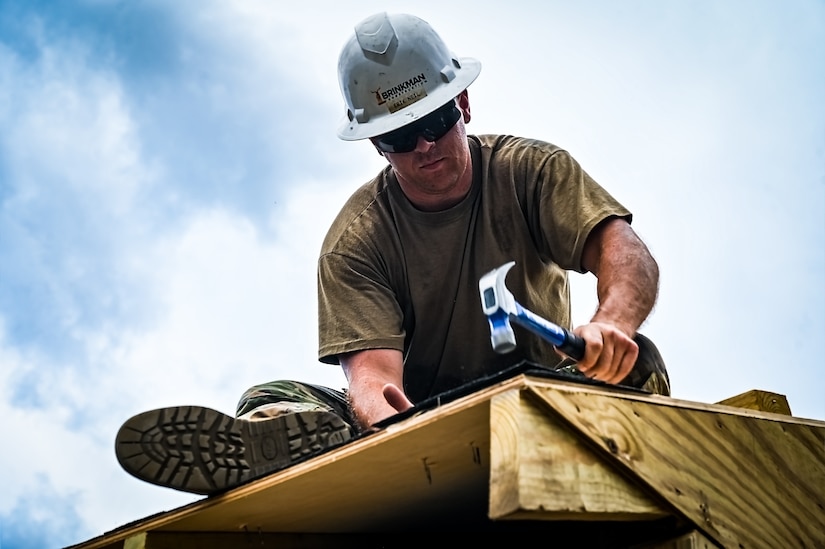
(423, 145)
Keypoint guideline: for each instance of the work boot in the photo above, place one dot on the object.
(203, 451)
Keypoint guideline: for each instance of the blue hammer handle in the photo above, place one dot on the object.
(564, 340)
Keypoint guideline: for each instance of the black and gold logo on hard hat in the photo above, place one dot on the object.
(402, 95)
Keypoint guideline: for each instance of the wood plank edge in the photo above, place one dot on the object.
(674, 402)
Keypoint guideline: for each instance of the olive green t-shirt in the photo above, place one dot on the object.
(392, 276)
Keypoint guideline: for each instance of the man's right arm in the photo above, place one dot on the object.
(376, 379)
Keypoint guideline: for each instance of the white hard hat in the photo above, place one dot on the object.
(394, 70)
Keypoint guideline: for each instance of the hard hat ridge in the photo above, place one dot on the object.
(375, 34)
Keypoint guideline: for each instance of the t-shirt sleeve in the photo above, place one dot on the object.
(570, 205)
(357, 308)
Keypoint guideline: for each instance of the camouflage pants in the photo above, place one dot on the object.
(286, 396)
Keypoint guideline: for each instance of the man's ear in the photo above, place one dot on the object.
(464, 104)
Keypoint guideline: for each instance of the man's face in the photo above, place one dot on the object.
(439, 168)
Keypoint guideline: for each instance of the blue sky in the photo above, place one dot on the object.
(168, 170)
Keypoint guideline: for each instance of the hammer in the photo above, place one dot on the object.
(501, 307)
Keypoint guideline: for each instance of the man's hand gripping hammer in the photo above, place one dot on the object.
(501, 308)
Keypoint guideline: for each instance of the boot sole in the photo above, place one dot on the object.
(203, 451)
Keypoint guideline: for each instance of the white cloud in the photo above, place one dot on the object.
(69, 126)
(236, 310)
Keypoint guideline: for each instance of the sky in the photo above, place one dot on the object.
(168, 171)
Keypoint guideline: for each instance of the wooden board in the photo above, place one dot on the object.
(378, 483)
(417, 471)
(540, 469)
(745, 479)
(691, 540)
(760, 400)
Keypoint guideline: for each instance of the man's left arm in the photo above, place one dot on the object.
(627, 287)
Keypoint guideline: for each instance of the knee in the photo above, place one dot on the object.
(649, 373)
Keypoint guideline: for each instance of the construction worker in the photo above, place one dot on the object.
(398, 273)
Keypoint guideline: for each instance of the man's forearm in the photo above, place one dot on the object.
(627, 278)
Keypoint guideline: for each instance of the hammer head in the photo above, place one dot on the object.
(498, 304)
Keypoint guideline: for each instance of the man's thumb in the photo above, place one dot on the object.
(396, 398)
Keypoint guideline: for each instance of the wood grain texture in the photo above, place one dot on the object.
(541, 470)
(743, 481)
(760, 400)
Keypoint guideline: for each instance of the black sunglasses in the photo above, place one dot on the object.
(432, 128)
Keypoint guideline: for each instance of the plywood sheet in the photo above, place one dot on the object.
(745, 479)
(378, 483)
(427, 469)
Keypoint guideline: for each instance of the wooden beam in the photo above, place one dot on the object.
(691, 540)
(256, 540)
(541, 470)
(605, 535)
(760, 400)
(741, 479)
(138, 541)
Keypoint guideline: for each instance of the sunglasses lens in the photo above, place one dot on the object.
(432, 128)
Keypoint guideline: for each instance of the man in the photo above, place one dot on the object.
(398, 273)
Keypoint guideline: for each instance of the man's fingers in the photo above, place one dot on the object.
(618, 368)
(609, 354)
(593, 347)
(623, 360)
(628, 362)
